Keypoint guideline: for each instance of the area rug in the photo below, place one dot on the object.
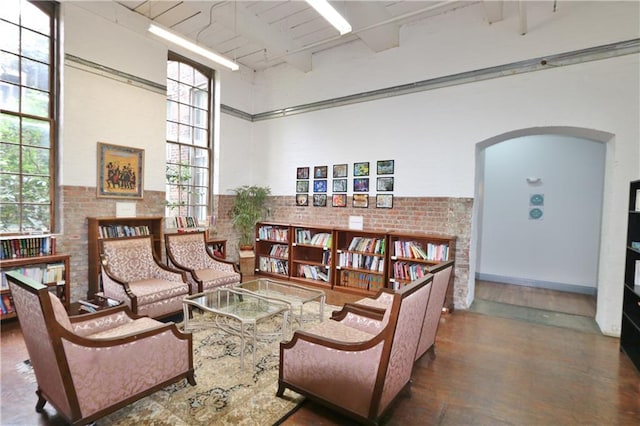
(225, 394)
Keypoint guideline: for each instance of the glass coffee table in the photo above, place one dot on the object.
(296, 296)
(237, 313)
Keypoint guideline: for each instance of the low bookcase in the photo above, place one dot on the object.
(312, 255)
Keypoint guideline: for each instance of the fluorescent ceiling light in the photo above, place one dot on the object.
(330, 14)
(183, 42)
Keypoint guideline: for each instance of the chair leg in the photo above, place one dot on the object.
(41, 402)
(432, 352)
(191, 378)
(280, 391)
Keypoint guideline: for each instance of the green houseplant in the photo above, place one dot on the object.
(248, 209)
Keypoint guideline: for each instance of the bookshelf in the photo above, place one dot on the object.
(360, 261)
(51, 270)
(273, 249)
(114, 227)
(312, 255)
(630, 331)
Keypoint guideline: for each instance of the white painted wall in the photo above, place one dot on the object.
(561, 248)
(431, 135)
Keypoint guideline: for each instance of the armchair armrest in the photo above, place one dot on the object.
(87, 324)
(365, 318)
(100, 368)
(116, 287)
(220, 264)
(168, 273)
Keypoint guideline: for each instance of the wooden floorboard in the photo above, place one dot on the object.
(487, 371)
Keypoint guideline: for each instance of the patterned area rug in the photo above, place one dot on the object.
(225, 394)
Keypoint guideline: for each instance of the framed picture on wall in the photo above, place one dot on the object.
(385, 167)
(361, 185)
(319, 200)
(320, 172)
(320, 185)
(302, 173)
(302, 200)
(384, 184)
(384, 201)
(360, 200)
(339, 200)
(361, 169)
(120, 171)
(302, 186)
(339, 185)
(340, 170)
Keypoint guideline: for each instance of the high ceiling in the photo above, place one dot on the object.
(263, 34)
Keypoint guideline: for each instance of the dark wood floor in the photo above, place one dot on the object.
(487, 371)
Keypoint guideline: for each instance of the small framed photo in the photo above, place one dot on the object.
(319, 200)
(384, 201)
(385, 167)
(384, 184)
(320, 185)
(361, 185)
(320, 172)
(361, 169)
(302, 186)
(339, 185)
(302, 200)
(120, 171)
(340, 170)
(361, 200)
(303, 173)
(339, 200)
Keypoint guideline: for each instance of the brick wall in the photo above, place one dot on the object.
(441, 215)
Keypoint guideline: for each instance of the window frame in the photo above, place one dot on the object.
(210, 75)
(52, 10)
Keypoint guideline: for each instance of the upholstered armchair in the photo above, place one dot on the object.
(188, 252)
(351, 368)
(132, 273)
(441, 276)
(90, 365)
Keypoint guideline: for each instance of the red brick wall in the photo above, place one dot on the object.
(442, 215)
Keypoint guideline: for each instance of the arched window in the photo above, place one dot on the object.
(27, 116)
(188, 173)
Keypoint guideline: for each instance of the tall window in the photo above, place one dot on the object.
(27, 139)
(188, 138)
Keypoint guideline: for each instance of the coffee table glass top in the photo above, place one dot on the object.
(296, 296)
(245, 307)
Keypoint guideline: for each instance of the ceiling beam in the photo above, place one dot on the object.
(493, 10)
(237, 18)
(367, 14)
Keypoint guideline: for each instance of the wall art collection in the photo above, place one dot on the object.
(319, 183)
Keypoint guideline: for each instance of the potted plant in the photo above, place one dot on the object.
(248, 209)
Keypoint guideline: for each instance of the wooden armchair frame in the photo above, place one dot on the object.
(77, 373)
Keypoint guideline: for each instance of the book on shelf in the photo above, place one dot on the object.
(279, 250)
(367, 245)
(273, 233)
(6, 304)
(119, 231)
(636, 278)
(638, 200)
(27, 246)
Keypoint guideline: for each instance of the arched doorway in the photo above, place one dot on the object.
(538, 209)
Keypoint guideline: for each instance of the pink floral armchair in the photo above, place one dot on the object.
(90, 365)
(348, 366)
(132, 273)
(188, 252)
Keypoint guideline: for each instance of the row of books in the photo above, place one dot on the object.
(18, 247)
(183, 222)
(312, 272)
(46, 274)
(6, 304)
(361, 280)
(409, 271)
(275, 266)
(279, 250)
(303, 236)
(409, 249)
(361, 261)
(367, 245)
(118, 231)
(273, 233)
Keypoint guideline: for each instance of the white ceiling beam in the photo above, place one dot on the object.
(366, 14)
(522, 12)
(236, 17)
(493, 10)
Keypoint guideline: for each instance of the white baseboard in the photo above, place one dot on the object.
(572, 288)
